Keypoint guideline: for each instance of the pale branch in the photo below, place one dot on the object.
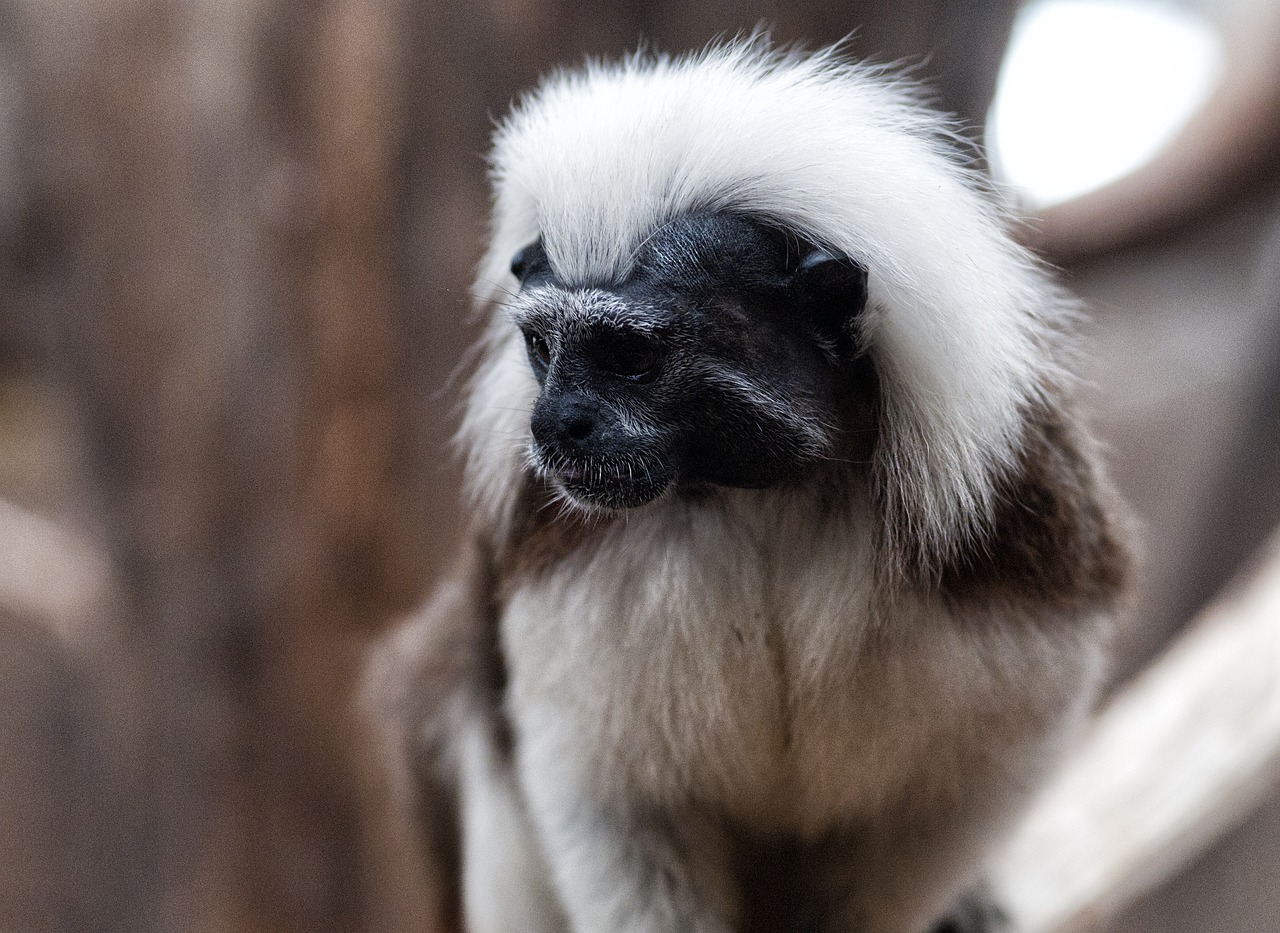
(1190, 747)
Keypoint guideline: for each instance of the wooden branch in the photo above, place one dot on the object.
(1187, 750)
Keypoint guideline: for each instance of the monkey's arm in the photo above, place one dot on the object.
(619, 865)
(419, 687)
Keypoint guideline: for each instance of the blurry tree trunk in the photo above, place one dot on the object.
(213, 184)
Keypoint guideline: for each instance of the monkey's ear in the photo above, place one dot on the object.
(832, 291)
(529, 260)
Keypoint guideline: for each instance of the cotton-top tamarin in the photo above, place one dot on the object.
(790, 565)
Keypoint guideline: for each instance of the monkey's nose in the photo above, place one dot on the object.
(578, 427)
(577, 421)
(572, 423)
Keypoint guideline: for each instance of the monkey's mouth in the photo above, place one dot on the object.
(608, 484)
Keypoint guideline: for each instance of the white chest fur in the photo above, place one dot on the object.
(728, 654)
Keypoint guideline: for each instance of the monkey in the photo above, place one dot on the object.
(791, 566)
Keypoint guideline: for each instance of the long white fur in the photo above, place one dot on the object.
(960, 320)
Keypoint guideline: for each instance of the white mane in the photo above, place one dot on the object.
(961, 322)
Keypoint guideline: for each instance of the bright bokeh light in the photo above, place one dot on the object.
(1090, 90)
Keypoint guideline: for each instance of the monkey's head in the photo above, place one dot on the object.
(721, 358)
(706, 248)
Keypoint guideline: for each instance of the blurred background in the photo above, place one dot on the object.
(236, 241)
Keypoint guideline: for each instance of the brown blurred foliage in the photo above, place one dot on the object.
(236, 239)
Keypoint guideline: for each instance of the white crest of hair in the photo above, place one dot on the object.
(961, 322)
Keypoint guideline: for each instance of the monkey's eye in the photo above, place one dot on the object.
(527, 259)
(630, 355)
(539, 351)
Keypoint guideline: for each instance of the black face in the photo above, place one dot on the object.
(722, 360)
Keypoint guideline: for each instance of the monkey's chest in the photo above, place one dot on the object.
(714, 673)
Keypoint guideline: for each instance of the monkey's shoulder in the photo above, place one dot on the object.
(1054, 539)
